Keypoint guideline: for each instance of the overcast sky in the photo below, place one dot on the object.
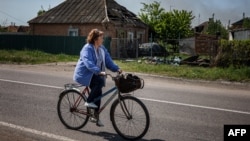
(21, 11)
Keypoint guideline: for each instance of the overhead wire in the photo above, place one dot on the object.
(12, 16)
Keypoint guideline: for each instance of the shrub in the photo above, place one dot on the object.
(235, 53)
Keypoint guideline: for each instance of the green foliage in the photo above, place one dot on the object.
(178, 24)
(189, 72)
(246, 23)
(32, 57)
(152, 15)
(3, 29)
(235, 53)
(241, 74)
(40, 12)
(216, 27)
(167, 25)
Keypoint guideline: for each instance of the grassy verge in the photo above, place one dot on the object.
(190, 72)
(33, 57)
(183, 71)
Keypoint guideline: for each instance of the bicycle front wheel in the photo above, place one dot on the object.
(71, 109)
(130, 118)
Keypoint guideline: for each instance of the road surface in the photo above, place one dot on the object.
(189, 110)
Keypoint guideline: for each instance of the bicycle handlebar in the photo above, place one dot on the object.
(117, 75)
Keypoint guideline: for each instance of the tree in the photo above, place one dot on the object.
(152, 14)
(216, 28)
(41, 11)
(178, 24)
(166, 25)
(246, 23)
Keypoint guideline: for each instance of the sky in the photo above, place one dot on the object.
(21, 11)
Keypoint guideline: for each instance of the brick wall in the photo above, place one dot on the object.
(62, 29)
(83, 30)
(206, 44)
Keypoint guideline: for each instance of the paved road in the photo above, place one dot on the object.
(180, 110)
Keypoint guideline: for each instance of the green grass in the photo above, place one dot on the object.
(189, 72)
(182, 71)
(33, 57)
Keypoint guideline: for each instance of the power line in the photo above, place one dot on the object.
(12, 16)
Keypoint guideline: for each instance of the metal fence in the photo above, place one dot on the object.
(129, 48)
(51, 44)
(118, 47)
(124, 48)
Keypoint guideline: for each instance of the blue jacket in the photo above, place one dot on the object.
(86, 66)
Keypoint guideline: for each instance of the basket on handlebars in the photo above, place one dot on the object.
(128, 83)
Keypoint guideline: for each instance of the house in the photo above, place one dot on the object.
(201, 43)
(13, 29)
(78, 17)
(238, 31)
(202, 27)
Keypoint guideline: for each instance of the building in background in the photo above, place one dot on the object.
(78, 17)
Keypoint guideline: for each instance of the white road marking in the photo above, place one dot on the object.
(154, 100)
(196, 106)
(33, 131)
(33, 84)
(62, 138)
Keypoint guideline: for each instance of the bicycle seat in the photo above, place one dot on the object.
(72, 85)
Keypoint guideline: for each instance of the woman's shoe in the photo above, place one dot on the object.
(90, 105)
(99, 123)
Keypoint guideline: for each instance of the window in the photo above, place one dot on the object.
(73, 31)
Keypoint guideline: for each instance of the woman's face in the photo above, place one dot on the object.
(99, 41)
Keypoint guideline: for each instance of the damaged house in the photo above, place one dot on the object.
(238, 31)
(78, 17)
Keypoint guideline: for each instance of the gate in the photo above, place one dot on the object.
(124, 48)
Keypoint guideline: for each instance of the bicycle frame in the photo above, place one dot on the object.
(114, 90)
(86, 92)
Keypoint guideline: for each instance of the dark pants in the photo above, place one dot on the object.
(96, 84)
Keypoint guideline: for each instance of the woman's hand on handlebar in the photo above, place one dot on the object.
(119, 71)
(103, 73)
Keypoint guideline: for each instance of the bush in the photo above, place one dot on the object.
(235, 53)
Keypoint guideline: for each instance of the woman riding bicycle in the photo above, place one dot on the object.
(90, 68)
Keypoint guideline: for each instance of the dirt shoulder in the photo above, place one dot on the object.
(67, 68)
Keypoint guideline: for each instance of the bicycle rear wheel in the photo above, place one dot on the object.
(130, 118)
(71, 109)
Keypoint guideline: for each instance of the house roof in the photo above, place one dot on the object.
(240, 22)
(12, 28)
(88, 11)
(200, 28)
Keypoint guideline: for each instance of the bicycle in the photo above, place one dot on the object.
(129, 116)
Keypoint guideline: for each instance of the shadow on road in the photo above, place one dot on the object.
(111, 136)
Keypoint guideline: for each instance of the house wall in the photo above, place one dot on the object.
(62, 29)
(111, 31)
(242, 35)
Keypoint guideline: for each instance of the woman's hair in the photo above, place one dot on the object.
(93, 35)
